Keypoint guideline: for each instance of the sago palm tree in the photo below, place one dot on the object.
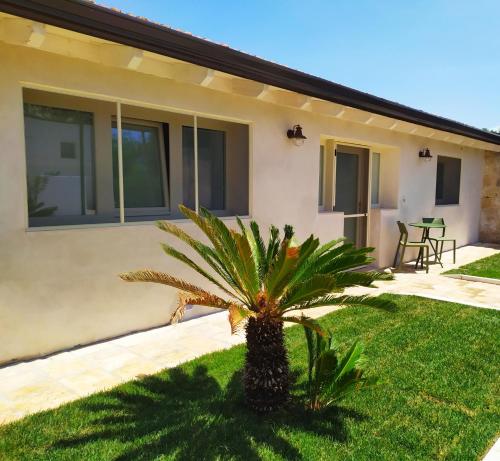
(263, 286)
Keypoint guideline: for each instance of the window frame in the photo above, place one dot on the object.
(146, 211)
(83, 189)
(322, 179)
(457, 203)
(218, 211)
(379, 155)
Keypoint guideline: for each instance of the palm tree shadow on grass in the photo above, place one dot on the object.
(188, 417)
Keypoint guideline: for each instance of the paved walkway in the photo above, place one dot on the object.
(47, 383)
(436, 286)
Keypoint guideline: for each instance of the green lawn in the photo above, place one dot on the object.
(439, 364)
(486, 267)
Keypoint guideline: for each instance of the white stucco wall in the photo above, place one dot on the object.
(59, 288)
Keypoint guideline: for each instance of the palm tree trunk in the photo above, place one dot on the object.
(267, 373)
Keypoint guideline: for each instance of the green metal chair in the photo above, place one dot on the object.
(440, 240)
(404, 243)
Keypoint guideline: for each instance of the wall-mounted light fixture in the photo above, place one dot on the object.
(296, 135)
(425, 154)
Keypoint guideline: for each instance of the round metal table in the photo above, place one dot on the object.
(426, 227)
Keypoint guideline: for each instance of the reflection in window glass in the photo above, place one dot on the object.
(142, 167)
(321, 174)
(188, 192)
(211, 168)
(60, 165)
(448, 180)
(375, 178)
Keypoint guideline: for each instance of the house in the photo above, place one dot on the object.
(110, 121)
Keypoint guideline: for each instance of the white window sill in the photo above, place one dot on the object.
(125, 224)
(329, 212)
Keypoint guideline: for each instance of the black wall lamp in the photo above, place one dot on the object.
(296, 135)
(425, 154)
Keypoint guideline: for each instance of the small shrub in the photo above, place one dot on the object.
(330, 378)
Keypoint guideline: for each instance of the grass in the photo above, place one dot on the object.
(439, 366)
(486, 267)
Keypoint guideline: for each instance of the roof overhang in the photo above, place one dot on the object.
(94, 20)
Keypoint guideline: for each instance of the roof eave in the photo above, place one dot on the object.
(112, 25)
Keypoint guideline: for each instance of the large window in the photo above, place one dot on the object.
(80, 170)
(448, 180)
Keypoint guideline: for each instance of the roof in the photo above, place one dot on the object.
(113, 25)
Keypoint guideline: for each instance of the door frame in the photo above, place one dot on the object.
(369, 148)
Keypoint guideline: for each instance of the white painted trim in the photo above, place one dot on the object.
(442, 298)
(125, 224)
(251, 156)
(195, 137)
(351, 144)
(369, 197)
(357, 215)
(473, 278)
(322, 178)
(334, 175)
(120, 162)
(130, 102)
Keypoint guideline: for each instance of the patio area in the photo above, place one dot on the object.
(36, 385)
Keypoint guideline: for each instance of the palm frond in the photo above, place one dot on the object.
(307, 322)
(237, 315)
(208, 300)
(260, 249)
(356, 382)
(249, 264)
(179, 312)
(347, 376)
(319, 258)
(208, 254)
(281, 270)
(288, 232)
(345, 300)
(225, 244)
(220, 247)
(318, 285)
(255, 251)
(339, 257)
(311, 354)
(147, 275)
(350, 361)
(171, 251)
(346, 262)
(257, 246)
(272, 246)
(365, 279)
(329, 245)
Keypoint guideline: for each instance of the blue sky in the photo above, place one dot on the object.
(436, 55)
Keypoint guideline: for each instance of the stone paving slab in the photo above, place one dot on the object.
(494, 453)
(28, 387)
